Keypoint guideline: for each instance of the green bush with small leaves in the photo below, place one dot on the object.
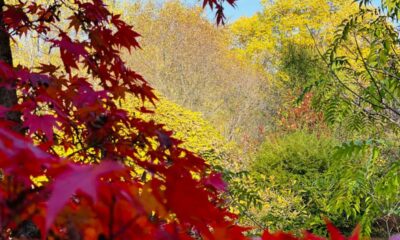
(294, 166)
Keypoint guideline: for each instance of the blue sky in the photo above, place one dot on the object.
(249, 8)
(243, 8)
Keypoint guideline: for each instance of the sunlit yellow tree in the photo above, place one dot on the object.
(281, 22)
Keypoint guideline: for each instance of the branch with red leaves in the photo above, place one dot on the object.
(219, 6)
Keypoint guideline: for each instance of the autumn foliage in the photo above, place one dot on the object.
(140, 184)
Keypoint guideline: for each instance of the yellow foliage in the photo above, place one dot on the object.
(197, 134)
(288, 21)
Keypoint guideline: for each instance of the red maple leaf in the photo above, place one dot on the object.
(216, 182)
(70, 51)
(20, 158)
(43, 124)
(80, 177)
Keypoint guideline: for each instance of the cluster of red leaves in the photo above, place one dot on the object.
(334, 234)
(302, 116)
(168, 194)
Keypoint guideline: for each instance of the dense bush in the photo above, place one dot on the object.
(196, 133)
(294, 166)
(303, 177)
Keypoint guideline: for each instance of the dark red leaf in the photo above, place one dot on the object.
(43, 124)
(334, 233)
(216, 182)
(70, 51)
(79, 177)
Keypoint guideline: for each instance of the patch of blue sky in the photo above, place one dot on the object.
(247, 8)
(243, 8)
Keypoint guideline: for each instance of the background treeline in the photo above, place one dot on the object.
(298, 105)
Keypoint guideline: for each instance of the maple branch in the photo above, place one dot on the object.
(77, 151)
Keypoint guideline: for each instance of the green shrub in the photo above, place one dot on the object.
(304, 177)
(295, 192)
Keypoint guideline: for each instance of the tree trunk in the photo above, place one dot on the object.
(8, 96)
(5, 49)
